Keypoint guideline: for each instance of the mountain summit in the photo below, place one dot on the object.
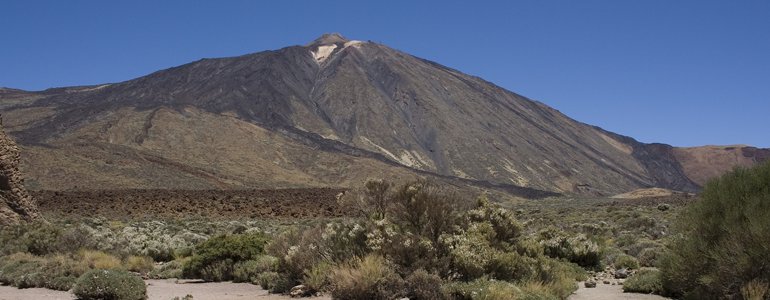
(330, 113)
(328, 39)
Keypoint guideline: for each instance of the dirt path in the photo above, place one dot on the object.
(163, 290)
(168, 289)
(609, 292)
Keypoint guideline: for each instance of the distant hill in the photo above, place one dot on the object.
(330, 113)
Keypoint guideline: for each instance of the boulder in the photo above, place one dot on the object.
(590, 284)
(621, 273)
(299, 291)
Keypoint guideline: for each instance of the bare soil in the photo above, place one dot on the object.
(609, 292)
(163, 290)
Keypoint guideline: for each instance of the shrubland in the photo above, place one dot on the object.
(423, 241)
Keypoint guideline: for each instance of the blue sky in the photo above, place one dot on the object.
(685, 73)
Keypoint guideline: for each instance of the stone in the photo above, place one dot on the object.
(299, 291)
(621, 273)
(590, 284)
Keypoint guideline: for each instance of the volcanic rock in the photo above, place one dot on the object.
(16, 204)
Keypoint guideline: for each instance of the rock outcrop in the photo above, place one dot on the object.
(16, 205)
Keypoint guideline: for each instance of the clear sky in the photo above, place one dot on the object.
(685, 73)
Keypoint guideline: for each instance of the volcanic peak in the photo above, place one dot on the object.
(328, 39)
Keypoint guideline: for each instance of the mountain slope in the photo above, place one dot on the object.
(335, 99)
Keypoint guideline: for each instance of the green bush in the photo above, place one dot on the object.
(172, 269)
(36, 238)
(114, 284)
(425, 286)
(624, 261)
(485, 289)
(275, 282)
(645, 281)
(214, 258)
(723, 240)
(247, 271)
(24, 270)
(649, 256)
(19, 269)
(578, 248)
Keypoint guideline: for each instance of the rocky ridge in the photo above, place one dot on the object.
(17, 205)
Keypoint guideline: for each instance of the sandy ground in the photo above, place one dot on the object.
(609, 292)
(168, 289)
(163, 290)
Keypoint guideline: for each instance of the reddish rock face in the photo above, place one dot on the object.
(16, 204)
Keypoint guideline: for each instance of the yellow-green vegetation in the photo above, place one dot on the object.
(54, 255)
(646, 280)
(419, 241)
(722, 245)
(214, 259)
(415, 240)
(624, 261)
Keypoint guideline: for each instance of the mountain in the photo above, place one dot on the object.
(330, 113)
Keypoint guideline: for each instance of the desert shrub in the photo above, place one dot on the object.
(183, 252)
(75, 238)
(115, 283)
(506, 229)
(755, 290)
(341, 241)
(213, 259)
(36, 238)
(469, 290)
(722, 244)
(485, 289)
(371, 202)
(578, 248)
(247, 271)
(646, 280)
(139, 264)
(317, 278)
(187, 297)
(370, 278)
(297, 251)
(172, 269)
(98, 260)
(624, 261)
(625, 240)
(218, 270)
(470, 250)
(609, 254)
(275, 282)
(22, 270)
(62, 283)
(423, 209)
(649, 256)
(425, 286)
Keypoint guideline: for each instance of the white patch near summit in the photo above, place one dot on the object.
(323, 52)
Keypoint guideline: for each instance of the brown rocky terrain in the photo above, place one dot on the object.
(703, 163)
(211, 204)
(16, 204)
(327, 114)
